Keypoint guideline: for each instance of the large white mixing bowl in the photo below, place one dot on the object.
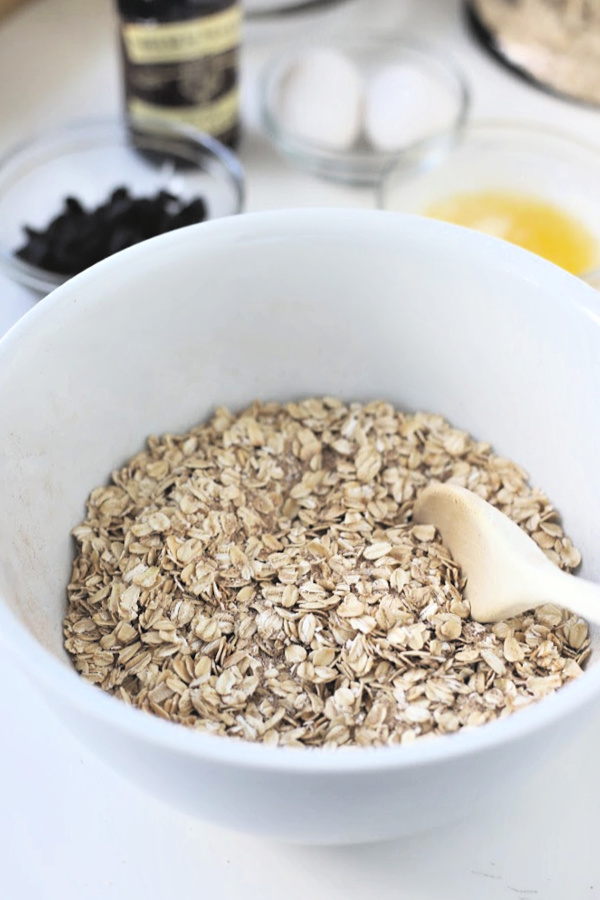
(281, 305)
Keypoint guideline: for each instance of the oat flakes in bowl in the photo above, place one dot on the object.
(259, 576)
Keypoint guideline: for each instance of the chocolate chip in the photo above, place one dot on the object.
(77, 238)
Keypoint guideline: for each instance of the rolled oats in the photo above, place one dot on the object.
(260, 577)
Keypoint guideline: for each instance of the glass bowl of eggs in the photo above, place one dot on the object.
(531, 185)
(351, 108)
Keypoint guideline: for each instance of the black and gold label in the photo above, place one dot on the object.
(185, 71)
(186, 41)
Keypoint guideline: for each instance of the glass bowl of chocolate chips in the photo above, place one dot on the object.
(79, 193)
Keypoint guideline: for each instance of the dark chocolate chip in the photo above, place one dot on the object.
(77, 238)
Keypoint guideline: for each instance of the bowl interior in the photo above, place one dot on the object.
(359, 305)
(89, 160)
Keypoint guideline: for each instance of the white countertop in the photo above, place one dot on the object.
(70, 829)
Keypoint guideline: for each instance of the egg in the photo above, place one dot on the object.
(404, 105)
(321, 100)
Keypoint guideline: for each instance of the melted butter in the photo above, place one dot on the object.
(529, 222)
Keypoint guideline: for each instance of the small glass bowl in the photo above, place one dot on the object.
(88, 160)
(362, 163)
(512, 157)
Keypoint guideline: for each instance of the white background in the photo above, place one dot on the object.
(71, 829)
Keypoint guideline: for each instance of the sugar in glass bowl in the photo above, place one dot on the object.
(282, 305)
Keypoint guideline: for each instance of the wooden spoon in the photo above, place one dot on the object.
(507, 573)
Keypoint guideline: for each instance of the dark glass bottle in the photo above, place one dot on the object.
(180, 63)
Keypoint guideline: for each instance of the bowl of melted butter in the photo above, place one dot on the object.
(535, 187)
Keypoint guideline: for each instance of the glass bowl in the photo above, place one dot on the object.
(436, 97)
(88, 160)
(512, 158)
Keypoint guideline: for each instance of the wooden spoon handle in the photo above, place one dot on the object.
(576, 594)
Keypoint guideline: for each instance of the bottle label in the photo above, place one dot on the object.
(185, 71)
(214, 118)
(173, 42)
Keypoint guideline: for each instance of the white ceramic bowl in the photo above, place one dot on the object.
(278, 305)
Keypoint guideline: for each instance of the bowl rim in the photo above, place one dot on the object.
(369, 164)
(287, 9)
(505, 128)
(72, 130)
(55, 677)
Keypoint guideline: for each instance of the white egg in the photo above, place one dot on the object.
(403, 105)
(321, 100)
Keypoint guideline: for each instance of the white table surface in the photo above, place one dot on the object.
(70, 829)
